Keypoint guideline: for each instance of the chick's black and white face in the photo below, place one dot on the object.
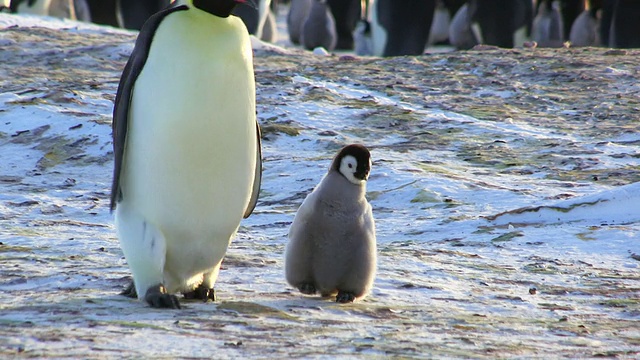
(354, 172)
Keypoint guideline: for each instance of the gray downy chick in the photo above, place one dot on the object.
(332, 240)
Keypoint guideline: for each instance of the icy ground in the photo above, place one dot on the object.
(498, 237)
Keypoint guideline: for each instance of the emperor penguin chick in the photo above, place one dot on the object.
(332, 240)
(187, 149)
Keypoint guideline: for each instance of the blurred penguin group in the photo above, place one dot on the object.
(118, 13)
(395, 27)
(132, 14)
(407, 27)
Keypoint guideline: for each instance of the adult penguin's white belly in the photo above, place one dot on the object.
(191, 145)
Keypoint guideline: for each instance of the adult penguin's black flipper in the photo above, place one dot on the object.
(257, 179)
(132, 69)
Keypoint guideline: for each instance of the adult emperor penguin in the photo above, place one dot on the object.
(187, 149)
(332, 240)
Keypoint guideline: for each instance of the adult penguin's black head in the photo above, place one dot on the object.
(221, 8)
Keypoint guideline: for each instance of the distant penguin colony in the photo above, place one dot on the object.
(389, 27)
(332, 240)
(187, 149)
(131, 14)
(69, 9)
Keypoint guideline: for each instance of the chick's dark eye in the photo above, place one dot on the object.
(350, 166)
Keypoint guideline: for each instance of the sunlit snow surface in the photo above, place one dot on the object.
(471, 263)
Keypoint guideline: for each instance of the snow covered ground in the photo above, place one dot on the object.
(474, 261)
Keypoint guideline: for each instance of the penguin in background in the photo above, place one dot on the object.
(259, 19)
(620, 27)
(81, 8)
(187, 151)
(32, 7)
(461, 34)
(70, 9)
(440, 25)
(346, 14)
(362, 38)
(67, 9)
(585, 29)
(607, 10)
(500, 23)
(401, 27)
(270, 26)
(319, 27)
(62, 9)
(103, 12)
(132, 14)
(298, 12)
(548, 26)
(570, 10)
(332, 240)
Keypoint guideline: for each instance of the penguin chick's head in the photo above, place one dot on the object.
(354, 163)
(221, 8)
